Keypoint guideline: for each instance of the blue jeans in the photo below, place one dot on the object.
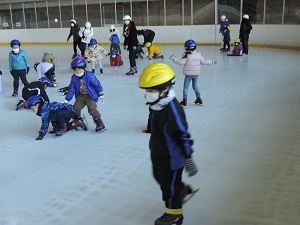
(187, 81)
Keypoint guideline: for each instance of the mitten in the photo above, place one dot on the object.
(134, 48)
(124, 47)
(172, 57)
(101, 97)
(190, 167)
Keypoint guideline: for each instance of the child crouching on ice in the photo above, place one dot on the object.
(192, 61)
(237, 50)
(115, 59)
(94, 54)
(153, 51)
(59, 114)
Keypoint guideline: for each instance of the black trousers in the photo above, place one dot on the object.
(245, 46)
(50, 74)
(63, 116)
(226, 43)
(19, 74)
(75, 45)
(132, 58)
(170, 185)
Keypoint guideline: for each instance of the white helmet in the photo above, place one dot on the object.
(73, 21)
(112, 27)
(88, 25)
(223, 17)
(126, 17)
(246, 16)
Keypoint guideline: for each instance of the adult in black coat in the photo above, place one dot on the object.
(74, 31)
(130, 42)
(148, 35)
(245, 30)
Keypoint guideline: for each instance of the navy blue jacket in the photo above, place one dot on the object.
(170, 143)
(48, 112)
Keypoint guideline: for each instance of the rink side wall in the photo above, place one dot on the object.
(274, 36)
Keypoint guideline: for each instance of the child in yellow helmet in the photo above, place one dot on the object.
(153, 51)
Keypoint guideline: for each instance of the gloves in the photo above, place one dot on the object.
(65, 101)
(134, 48)
(214, 61)
(101, 97)
(190, 167)
(124, 47)
(40, 137)
(149, 58)
(28, 68)
(172, 57)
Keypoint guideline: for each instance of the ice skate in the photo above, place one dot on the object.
(101, 71)
(169, 219)
(20, 104)
(183, 102)
(64, 89)
(198, 101)
(130, 72)
(99, 125)
(187, 193)
(79, 123)
(62, 130)
(93, 71)
(15, 93)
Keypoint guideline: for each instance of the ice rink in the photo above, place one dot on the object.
(246, 135)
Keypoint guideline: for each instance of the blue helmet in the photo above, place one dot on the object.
(190, 45)
(93, 41)
(15, 42)
(45, 80)
(113, 52)
(78, 62)
(33, 100)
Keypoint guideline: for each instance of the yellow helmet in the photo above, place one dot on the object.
(237, 41)
(148, 44)
(157, 76)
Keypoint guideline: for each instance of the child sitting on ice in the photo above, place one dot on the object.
(237, 50)
(94, 54)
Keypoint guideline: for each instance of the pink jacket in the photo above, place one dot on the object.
(192, 63)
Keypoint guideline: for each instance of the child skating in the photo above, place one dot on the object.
(94, 54)
(170, 143)
(87, 90)
(192, 61)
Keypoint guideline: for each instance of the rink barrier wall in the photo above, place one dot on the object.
(266, 36)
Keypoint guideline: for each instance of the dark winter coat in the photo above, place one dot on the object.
(170, 143)
(226, 36)
(35, 88)
(148, 35)
(224, 24)
(48, 112)
(245, 29)
(75, 32)
(92, 85)
(130, 35)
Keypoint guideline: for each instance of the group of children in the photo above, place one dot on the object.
(170, 143)
(241, 44)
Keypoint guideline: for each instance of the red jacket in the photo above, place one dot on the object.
(115, 61)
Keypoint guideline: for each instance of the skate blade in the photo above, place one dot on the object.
(85, 120)
(190, 196)
(101, 131)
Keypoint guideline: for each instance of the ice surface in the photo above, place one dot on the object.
(246, 134)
